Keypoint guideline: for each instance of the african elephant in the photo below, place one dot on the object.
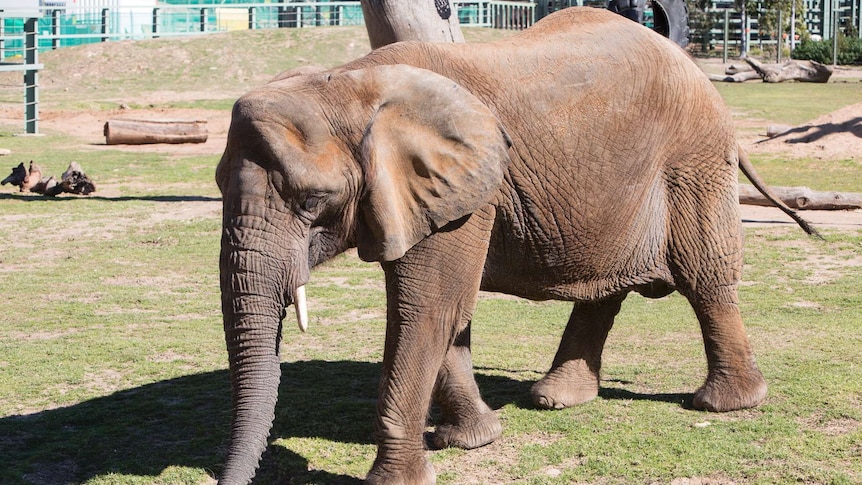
(558, 164)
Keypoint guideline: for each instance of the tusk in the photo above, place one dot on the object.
(301, 308)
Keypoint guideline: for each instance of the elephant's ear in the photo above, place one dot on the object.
(432, 154)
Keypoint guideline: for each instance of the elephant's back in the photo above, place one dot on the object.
(598, 109)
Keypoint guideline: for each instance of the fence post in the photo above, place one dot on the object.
(792, 26)
(203, 20)
(835, 34)
(780, 43)
(105, 13)
(155, 22)
(31, 77)
(333, 15)
(55, 29)
(726, 28)
(251, 18)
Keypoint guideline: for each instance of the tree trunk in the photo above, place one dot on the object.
(389, 21)
(802, 71)
(141, 132)
(802, 198)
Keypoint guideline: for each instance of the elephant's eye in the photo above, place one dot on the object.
(312, 203)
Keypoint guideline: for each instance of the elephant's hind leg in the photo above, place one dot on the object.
(706, 261)
(467, 421)
(733, 380)
(574, 375)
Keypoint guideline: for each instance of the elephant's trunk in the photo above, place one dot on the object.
(253, 305)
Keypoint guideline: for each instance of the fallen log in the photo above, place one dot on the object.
(75, 181)
(736, 77)
(25, 180)
(141, 132)
(802, 198)
(792, 70)
(804, 71)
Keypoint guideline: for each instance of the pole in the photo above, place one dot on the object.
(55, 29)
(835, 34)
(105, 17)
(155, 22)
(31, 77)
(792, 25)
(744, 27)
(779, 43)
(726, 28)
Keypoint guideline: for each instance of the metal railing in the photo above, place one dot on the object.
(25, 59)
(730, 33)
(105, 20)
(62, 26)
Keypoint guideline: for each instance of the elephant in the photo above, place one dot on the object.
(558, 164)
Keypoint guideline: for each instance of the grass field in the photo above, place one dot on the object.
(113, 368)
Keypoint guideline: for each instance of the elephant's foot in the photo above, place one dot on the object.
(728, 392)
(416, 471)
(469, 434)
(569, 384)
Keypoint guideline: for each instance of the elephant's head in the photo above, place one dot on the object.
(376, 158)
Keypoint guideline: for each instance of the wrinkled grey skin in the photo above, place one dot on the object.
(621, 176)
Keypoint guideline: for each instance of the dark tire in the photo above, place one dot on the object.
(671, 20)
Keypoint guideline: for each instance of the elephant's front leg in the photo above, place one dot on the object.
(431, 295)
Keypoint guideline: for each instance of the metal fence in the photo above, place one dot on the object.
(730, 32)
(717, 29)
(104, 20)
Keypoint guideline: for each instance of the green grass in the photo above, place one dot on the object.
(788, 103)
(818, 174)
(113, 368)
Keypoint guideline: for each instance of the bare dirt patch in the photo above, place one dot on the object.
(87, 126)
(831, 136)
(490, 464)
(831, 427)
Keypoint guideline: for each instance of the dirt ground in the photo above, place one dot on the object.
(832, 136)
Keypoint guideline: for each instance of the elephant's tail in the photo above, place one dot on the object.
(749, 171)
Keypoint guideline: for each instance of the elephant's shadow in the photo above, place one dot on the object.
(185, 422)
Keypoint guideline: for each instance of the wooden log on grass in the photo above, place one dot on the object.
(141, 132)
(802, 198)
(792, 70)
